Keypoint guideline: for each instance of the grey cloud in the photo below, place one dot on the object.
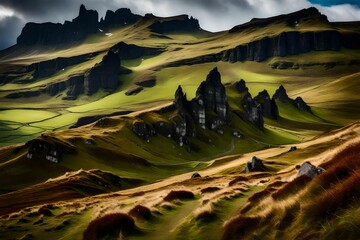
(214, 15)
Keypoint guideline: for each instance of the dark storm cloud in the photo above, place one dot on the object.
(214, 15)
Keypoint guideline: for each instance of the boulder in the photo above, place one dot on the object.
(310, 170)
(195, 175)
(255, 165)
(292, 148)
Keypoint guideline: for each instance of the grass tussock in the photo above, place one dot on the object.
(110, 226)
(140, 212)
(240, 227)
(238, 179)
(292, 187)
(179, 195)
(209, 190)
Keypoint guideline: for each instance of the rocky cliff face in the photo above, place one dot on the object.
(291, 20)
(131, 51)
(285, 44)
(209, 109)
(120, 17)
(268, 107)
(47, 68)
(55, 33)
(252, 112)
(179, 24)
(103, 75)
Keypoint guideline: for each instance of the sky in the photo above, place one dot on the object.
(214, 15)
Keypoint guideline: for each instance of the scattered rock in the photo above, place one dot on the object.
(195, 175)
(292, 148)
(255, 165)
(310, 170)
(147, 83)
(301, 104)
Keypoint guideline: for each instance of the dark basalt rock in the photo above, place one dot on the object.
(180, 101)
(143, 130)
(292, 148)
(27, 94)
(147, 83)
(134, 91)
(301, 104)
(131, 51)
(212, 93)
(268, 106)
(310, 170)
(241, 86)
(44, 150)
(164, 128)
(47, 68)
(180, 23)
(103, 75)
(252, 111)
(120, 17)
(285, 44)
(195, 175)
(90, 119)
(55, 33)
(281, 95)
(255, 165)
(291, 19)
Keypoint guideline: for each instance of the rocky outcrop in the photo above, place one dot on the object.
(281, 95)
(241, 86)
(44, 150)
(301, 104)
(255, 165)
(292, 20)
(134, 90)
(55, 33)
(90, 119)
(120, 17)
(285, 44)
(147, 83)
(143, 130)
(131, 51)
(47, 68)
(252, 112)
(309, 170)
(180, 23)
(103, 75)
(268, 107)
(211, 94)
(209, 109)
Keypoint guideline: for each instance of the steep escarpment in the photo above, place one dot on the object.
(120, 17)
(55, 33)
